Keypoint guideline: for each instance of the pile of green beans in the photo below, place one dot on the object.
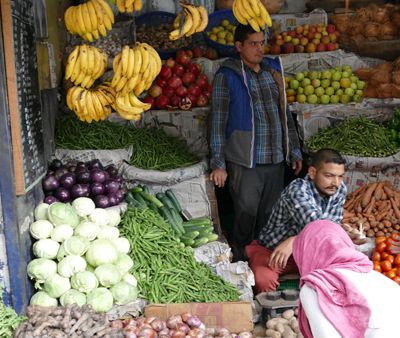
(9, 320)
(356, 137)
(152, 148)
(166, 270)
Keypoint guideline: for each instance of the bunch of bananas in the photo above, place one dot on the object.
(90, 19)
(129, 5)
(251, 12)
(91, 105)
(134, 71)
(195, 21)
(85, 64)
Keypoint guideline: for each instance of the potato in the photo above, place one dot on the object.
(280, 328)
(296, 311)
(288, 314)
(272, 334)
(271, 323)
(288, 331)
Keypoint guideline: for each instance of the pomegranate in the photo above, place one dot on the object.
(175, 82)
(193, 68)
(162, 101)
(178, 70)
(192, 98)
(165, 72)
(175, 101)
(155, 90)
(170, 62)
(202, 100)
(194, 89)
(197, 52)
(151, 100)
(181, 91)
(182, 57)
(202, 81)
(188, 78)
(211, 54)
(186, 103)
(168, 91)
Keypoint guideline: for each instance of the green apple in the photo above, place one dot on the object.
(360, 84)
(345, 74)
(334, 99)
(319, 91)
(306, 81)
(339, 92)
(308, 90)
(315, 83)
(356, 98)
(325, 83)
(325, 99)
(294, 84)
(335, 85)
(299, 76)
(313, 75)
(353, 78)
(336, 76)
(349, 91)
(312, 99)
(345, 98)
(300, 90)
(329, 91)
(359, 92)
(353, 86)
(301, 98)
(347, 68)
(326, 74)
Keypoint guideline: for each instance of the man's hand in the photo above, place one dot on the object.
(297, 166)
(219, 177)
(281, 254)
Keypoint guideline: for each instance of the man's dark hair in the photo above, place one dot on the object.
(326, 155)
(243, 31)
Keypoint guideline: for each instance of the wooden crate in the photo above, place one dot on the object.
(384, 49)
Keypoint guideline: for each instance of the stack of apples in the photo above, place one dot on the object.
(304, 39)
(336, 85)
(180, 85)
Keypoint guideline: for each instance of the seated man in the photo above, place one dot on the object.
(320, 195)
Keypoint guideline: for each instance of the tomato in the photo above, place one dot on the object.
(384, 256)
(396, 279)
(380, 239)
(381, 247)
(395, 236)
(376, 256)
(377, 267)
(391, 274)
(386, 266)
(398, 270)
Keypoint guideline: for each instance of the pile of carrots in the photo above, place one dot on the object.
(374, 208)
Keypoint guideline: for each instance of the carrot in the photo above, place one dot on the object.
(378, 191)
(366, 198)
(384, 196)
(389, 192)
(396, 210)
(382, 215)
(368, 209)
(348, 214)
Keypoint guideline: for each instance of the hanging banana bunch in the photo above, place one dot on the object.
(85, 64)
(134, 71)
(195, 20)
(91, 105)
(129, 6)
(90, 19)
(251, 12)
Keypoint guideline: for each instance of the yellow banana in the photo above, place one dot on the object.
(97, 105)
(68, 20)
(72, 57)
(254, 6)
(104, 20)
(131, 63)
(203, 19)
(137, 103)
(86, 81)
(116, 62)
(237, 14)
(132, 83)
(105, 97)
(76, 71)
(139, 88)
(107, 10)
(137, 5)
(117, 76)
(195, 17)
(145, 57)
(88, 103)
(86, 18)
(155, 55)
(138, 61)
(121, 83)
(125, 59)
(241, 10)
(265, 15)
(129, 4)
(68, 98)
(81, 22)
(253, 23)
(120, 5)
(260, 22)
(177, 20)
(92, 15)
(247, 8)
(84, 57)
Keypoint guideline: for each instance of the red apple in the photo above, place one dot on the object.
(207, 94)
(321, 47)
(311, 48)
(331, 46)
(325, 40)
(299, 29)
(202, 100)
(287, 48)
(165, 72)
(178, 70)
(332, 37)
(304, 41)
(193, 68)
(292, 34)
(168, 91)
(275, 49)
(299, 49)
(188, 78)
(161, 82)
(155, 90)
(170, 62)
(181, 91)
(162, 102)
(182, 57)
(330, 28)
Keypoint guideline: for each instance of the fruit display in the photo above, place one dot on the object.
(386, 256)
(195, 20)
(251, 12)
(206, 52)
(304, 39)
(91, 105)
(90, 19)
(134, 71)
(336, 85)
(180, 84)
(85, 64)
(223, 33)
(382, 81)
(129, 6)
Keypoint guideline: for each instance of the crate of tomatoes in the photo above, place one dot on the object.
(386, 256)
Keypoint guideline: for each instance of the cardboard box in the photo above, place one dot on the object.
(284, 22)
(234, 316)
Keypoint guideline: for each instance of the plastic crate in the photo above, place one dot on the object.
(215, 19)
(290, 284)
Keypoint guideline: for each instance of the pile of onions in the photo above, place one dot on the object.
(176, 326)
(66, 182)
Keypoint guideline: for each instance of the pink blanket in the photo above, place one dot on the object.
(321, 247)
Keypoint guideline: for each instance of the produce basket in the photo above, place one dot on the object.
(214, 20)
(156, 18)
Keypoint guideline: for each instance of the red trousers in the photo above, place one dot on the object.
(266, 278)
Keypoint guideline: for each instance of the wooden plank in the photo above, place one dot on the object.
(12, 93)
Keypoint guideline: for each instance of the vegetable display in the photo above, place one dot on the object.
(356, 136)
(9, 320)
(80, 257)
(153, 148)
(68, 182)
(166, 270)
(286, 326)
(374, 207)
(394, 129)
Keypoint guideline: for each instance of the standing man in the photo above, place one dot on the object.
(252, 134)
(319, 196)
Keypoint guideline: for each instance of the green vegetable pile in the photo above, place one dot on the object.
(394, 128)
(166, 270)
(153, 149)
(9, 320)
(356, 137)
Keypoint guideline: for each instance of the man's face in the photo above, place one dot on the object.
(252, 49)
(327, 177)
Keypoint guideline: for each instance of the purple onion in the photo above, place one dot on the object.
(120, 195)
(112, 199)
(119, 179)
(112, 170)
(97, 188)
(68, 180)
(111, 186)
(80, 190)
(59, 172)
(101, 201)
(50, 183)
(81, 164)
(72, 169)
(55, 164)
(95, 164)
(83, 176)
(62, 194)
(50, 199)
(97, 175)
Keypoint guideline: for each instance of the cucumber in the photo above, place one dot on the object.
(145, 188)
(166, 214)
(136, 189)
(205, 232)
(151, 199)
(212, 237)
(138, 197)
(196, 228)
(198, 221)
(165, 200)
(137, 203)
(174, 200)
(188, 241)
(201, 241)
(178, 219)
(192, 234)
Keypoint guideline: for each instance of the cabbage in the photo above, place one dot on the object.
(101, 251)
(89, 267)
(130, 279)
(83, 206)
(123, 293)
(61, 232)
(71, 265)
(114, 217)
(56, 285)
(100, 299)
(84, 281)
(41, 229)
(43, 299)
(87, 230)
(99, 216)
(76, 245)
(40, 269)
(62, 213)
(122, 244)
(73, 297)
(46, 248)
(108, 232)
(61, 254)
(123, 263)
(107, 274)
(41, 211)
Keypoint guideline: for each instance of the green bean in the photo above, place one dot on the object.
(9, 320)
(169, 273)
